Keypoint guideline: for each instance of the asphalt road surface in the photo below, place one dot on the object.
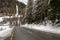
(21, 33)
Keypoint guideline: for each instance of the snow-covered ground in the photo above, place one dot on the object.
(5, 32)
(48, 28)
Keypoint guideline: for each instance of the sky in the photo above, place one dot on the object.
(24, 1)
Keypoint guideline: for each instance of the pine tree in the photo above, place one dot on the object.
(29, 11)
(37, 10)
(41, 10)
(55, 12)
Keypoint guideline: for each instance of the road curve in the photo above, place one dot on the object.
(21, 33)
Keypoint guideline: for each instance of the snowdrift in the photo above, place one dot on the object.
(47, 28)
(6, 32)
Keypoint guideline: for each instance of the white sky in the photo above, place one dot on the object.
(24, 1)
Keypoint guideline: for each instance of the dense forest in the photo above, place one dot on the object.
(54, 12)
(7, 7)
(37, 11)
(42, 10)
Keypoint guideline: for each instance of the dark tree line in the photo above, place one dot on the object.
(7, 7)
(36, 10)
(42, 10)
(55, 11)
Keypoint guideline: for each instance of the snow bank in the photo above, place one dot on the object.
(44, 28)
(6, 32)
(1, 19)
(3, 27)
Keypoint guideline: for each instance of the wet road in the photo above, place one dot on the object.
(28, 34)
